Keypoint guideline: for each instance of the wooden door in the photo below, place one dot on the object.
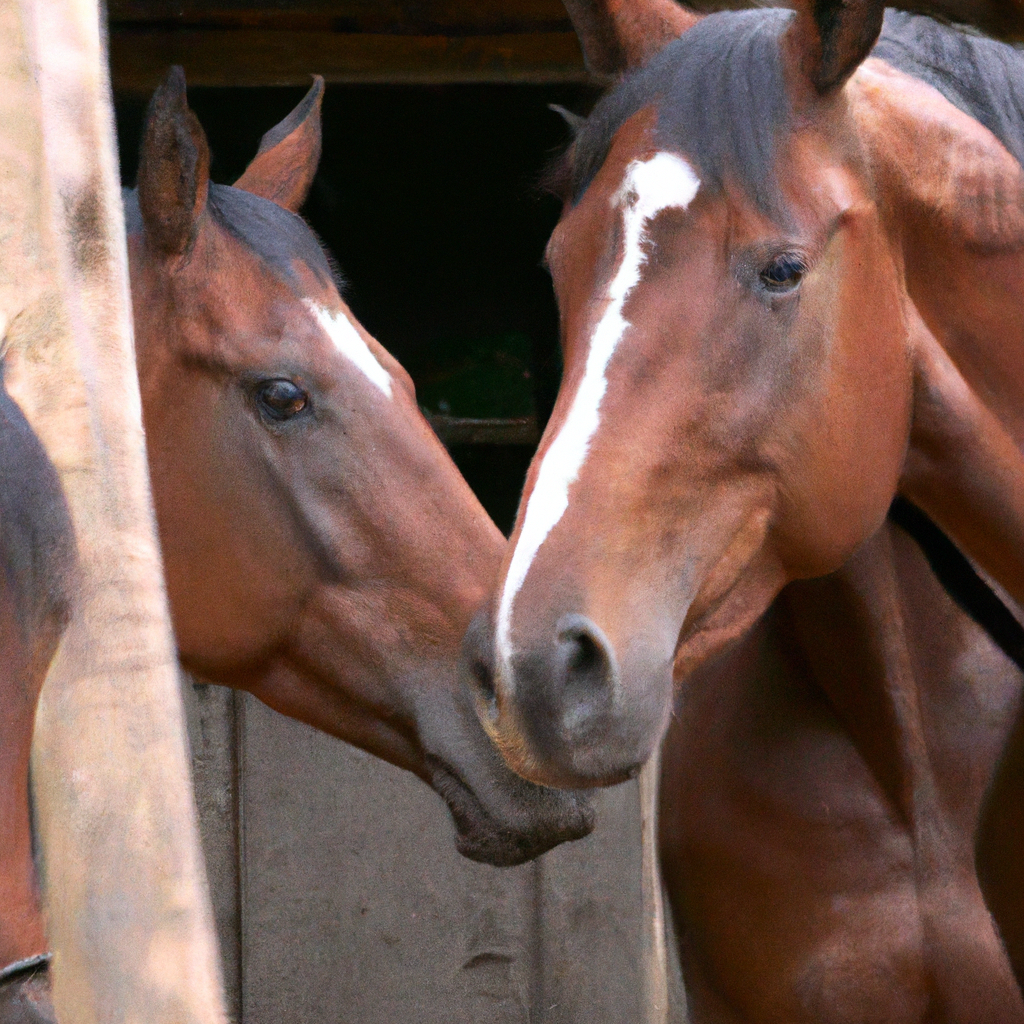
(339, 896)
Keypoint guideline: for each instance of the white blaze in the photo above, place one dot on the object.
(649, 186)
(349, 342)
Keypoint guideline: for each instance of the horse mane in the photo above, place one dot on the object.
(721, 96)
(725, 71)
(980, 76)
(277, 236)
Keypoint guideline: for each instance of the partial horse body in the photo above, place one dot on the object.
(822, 782)
(789, 275)
(37, 561)
(321, 549)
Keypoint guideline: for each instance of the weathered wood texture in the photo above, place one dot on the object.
(463, 430)
(349, 902)
(139, 58)
(127, 912)
(270, 42)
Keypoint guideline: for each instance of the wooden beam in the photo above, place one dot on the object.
(140, 58)
(419, 17)
(460, 430)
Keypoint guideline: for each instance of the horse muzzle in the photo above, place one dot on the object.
(568, 712)
(500, 818)
(530, 822)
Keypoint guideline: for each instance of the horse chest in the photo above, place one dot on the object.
(801, 887)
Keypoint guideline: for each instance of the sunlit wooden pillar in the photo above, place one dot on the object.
(128, 914)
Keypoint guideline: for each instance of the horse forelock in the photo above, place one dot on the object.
(721, 99)
(279, 237)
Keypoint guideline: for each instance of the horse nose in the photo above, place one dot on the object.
(587, 675)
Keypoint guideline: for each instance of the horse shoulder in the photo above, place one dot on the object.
(930, 156)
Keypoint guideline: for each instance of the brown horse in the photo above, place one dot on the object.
(788, 279)
(821, 787)
(321, 549)
(788, 276)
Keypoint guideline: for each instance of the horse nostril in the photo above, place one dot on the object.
(585, 660)
(484, 679)
(589, 676)
(478, 661)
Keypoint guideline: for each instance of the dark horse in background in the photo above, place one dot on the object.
(790, 272)
(37, 575)
(321, 549)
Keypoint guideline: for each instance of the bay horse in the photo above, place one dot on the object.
(321, 549)
(788, 272)
(821, 785)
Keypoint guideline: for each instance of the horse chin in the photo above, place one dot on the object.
(553, 817)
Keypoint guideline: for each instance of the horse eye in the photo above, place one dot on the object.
(280, 399)
(783, 274)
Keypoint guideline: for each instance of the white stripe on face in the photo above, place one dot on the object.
(349, 342)
(664, 181)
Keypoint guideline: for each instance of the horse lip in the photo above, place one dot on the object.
(480, 838)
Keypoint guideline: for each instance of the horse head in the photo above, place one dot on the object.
(735, 404)
(321, 549)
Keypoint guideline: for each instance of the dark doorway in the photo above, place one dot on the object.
(428, 198)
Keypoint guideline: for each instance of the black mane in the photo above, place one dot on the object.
(277, 236)
(722, 99)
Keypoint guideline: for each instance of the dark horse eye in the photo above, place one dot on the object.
(783, 274)
(280, 399)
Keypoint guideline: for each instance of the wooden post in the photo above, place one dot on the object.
(655, 971)
(128, 915)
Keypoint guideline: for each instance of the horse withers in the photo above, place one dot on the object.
(321, 549)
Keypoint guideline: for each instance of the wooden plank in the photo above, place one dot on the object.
(436, 17)
(128, 917)
(238, 57)
(212, 727)
(462, 430)
(1003, 18)
(655, 955)
(358, 908)
(590, 929)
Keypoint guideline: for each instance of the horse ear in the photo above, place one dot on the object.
(286, 161)
(174, 167)
(830, 38)
(618, 35)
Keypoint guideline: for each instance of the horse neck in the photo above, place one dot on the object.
(953, 200)
(953, 197)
